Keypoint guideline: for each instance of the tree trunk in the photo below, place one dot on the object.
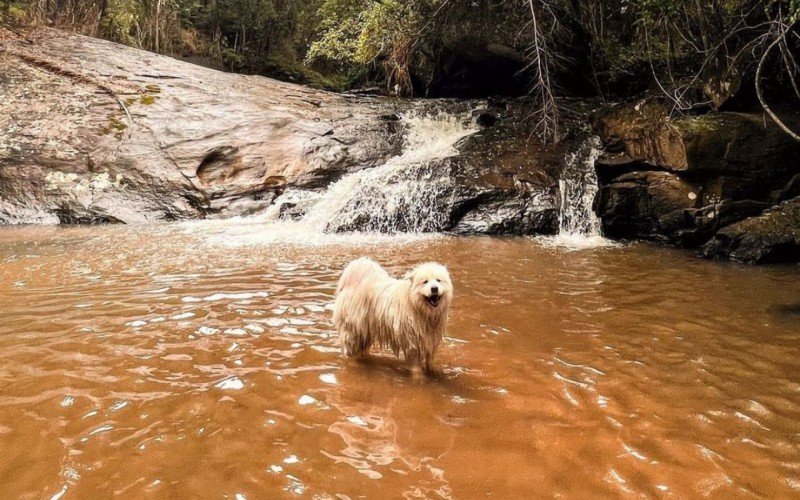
(158, 22)
(101, 14)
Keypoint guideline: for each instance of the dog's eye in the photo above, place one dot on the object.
(425, 282)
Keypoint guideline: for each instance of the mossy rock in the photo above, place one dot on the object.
(739, 144)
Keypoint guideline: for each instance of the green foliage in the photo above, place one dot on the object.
(356, 33)
(387, 27)
(335, 43)
(338, 32)
(292, 70)
(232, 59)
(794, 11)
(120, 20)
(650, 10)
(12, 13)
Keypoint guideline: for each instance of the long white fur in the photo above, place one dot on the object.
(371, 307)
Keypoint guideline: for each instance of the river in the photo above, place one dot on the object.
(198, 360)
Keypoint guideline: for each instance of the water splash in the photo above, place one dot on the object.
(578, 188)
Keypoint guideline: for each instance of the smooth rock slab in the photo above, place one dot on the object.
(99, 132)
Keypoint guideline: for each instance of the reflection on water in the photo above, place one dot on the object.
(199, 360)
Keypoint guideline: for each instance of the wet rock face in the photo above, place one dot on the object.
(505, 183)
(96, 132)
(771, 237)
(682, 181)
(645, 204)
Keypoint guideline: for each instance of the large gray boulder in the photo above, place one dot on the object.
(95, 131)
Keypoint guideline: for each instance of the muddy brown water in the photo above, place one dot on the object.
(193, 361)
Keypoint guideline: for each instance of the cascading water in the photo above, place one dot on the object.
(406, 194)
(403, 198)
(410, 195)
(578, 225)
(578, 188)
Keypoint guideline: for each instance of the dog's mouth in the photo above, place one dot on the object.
(433, 300)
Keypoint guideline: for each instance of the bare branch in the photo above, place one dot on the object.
(546, 114)
(760, 93)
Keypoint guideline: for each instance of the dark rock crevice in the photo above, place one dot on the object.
(219, 165)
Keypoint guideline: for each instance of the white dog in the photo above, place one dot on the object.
(406, 315)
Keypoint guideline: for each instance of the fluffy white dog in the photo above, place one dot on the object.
(406, 315)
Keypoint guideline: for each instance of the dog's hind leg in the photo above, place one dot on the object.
(364, 347)
(349, 343)
(354, 345)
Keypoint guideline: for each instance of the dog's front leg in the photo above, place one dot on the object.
(415, 364)
(429, 366)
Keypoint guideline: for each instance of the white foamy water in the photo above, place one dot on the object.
(578, 187)
(578, 224)
(406, 194)
(402, 200)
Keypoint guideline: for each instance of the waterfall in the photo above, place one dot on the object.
(406, 194)
(578, 225)
(409, 195)
(578, 188)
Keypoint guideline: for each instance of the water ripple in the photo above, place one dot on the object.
(125, 350)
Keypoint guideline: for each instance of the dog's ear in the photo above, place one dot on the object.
(409, 276)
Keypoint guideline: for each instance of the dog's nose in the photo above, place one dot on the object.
(434, 290)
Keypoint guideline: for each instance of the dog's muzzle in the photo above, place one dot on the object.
(433, 300)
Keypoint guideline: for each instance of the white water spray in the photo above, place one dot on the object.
(406, 194)
(578, 188)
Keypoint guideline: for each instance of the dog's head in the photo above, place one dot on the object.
(431, 289)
